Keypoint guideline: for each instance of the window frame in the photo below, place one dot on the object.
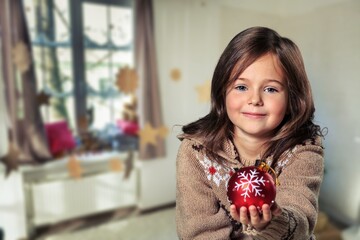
(78, 52)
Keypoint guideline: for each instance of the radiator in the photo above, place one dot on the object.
(53, 196)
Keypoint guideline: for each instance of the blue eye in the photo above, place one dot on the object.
(271, 90)
(241, 88)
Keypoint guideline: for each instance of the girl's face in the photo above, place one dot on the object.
(256, 102)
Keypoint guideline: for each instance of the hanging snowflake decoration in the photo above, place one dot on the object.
(251, 186)
(21, 56)
(148, 135)
(163, 131)
(204, 91)
(43, 98)
(175, 74)
(127, 80)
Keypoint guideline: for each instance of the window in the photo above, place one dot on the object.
(79, 46)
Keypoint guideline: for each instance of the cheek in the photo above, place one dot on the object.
(280, 109)
(230, 107)
(233, 108)
(232, 102)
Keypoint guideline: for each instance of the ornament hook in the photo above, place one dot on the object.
(262, 165)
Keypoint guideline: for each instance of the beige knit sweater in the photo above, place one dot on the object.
(202, 207)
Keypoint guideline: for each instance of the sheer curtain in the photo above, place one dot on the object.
(146, 66)
(26, 132)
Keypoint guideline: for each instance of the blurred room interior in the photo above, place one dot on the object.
(94, 92)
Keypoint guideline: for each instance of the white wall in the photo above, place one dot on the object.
(330, 41)
(192, 34)
(187, 38)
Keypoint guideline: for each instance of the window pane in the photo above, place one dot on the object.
(48, 23)
(107, 35)
(108, 48)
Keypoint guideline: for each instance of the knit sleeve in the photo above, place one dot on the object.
(297, 195)
(198, 214)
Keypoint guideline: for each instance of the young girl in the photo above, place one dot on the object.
(261, 108)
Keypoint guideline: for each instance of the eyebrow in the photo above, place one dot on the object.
(268, 80)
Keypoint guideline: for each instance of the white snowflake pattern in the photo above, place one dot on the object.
(250, 183)
(289, 154)
(214, 171)
(282, 164)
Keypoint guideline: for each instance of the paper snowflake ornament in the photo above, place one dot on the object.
(127, 80)
(204, 91)
(83, 123)
(43, 98)
(74, 167)
(11, 158)
(116, 165)
(175, 74)
(163, 131)
(148, 135)
(21, 56)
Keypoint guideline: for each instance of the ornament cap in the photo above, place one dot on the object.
(263, 166)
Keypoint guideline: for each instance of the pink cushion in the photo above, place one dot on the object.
(128, 127)
(59, 137)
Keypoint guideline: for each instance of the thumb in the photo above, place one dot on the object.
(275, 209)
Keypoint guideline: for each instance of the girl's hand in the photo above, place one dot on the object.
(253, 217)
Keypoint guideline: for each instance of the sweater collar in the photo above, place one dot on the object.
(228, 150)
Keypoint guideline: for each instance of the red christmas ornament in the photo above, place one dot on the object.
(252, 186)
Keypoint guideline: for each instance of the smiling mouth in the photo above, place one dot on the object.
(254, 115)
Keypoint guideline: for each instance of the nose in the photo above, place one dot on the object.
(255, 99)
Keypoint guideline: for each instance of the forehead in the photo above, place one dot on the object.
(264, 67)
(267, 63)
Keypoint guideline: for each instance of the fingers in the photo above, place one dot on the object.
(254, 216)
(258, 218)
(266, 213)
(275, 209)
(234, 213)
(244, 219)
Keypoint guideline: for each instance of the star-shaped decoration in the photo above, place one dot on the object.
(127, 80)
(116, 165)
(11, 158)
(74, 167)
(83, 123)
(21, 56)
(148, 135)
(175, 74)
(43, 98)
(204, 91)
(163, 131)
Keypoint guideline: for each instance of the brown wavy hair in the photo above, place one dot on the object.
(247, 46)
